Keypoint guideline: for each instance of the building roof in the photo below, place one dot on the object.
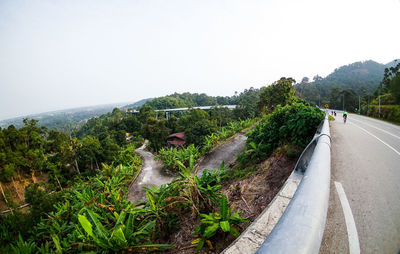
(180, 135)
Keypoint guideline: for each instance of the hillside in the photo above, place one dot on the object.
(67, 120)
(358, 76)
(356, 79)
(137, 104)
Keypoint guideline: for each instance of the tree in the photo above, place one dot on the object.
(391, 80)
(197, 125)
(246, 103)
(146, 112)
(90, 152)
(221, 115)
(281, 92)
(156, 132)
(317, 78)
(110, 149)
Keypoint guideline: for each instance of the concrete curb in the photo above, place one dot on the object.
(253, 237)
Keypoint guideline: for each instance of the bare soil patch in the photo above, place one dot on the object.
(15, 189)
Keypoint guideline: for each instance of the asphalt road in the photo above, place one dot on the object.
(366, 161)
(227, 153)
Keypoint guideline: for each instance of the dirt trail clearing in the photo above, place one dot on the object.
(150, 175)
(226, 152)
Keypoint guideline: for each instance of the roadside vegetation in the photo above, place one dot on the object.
(170, 155)
(359, 87)
(388, 96)
(84, 208)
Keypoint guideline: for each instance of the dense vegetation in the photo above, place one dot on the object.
(292, 125)
(62, 120)
(85, 206)
(349, 83)
(172, 156)
(31, 149)
(387, 96)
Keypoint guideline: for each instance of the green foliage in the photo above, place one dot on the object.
(349, 96)
(197, 125)
(41, 200)
(360, 78)
(247, 104)
(225, 132)
(221, 115)
(292, 124)
(212, 223)
(23, 247)
(156, 132)
(54, 218)
(172, 156)
(391, 84)
(279, 93)
(21, 150)
(388, 112)
(63, 120)
(209, 184)
(128, 156)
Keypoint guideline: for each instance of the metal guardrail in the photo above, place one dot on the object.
(301, 227)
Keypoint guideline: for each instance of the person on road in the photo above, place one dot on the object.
(344, 116)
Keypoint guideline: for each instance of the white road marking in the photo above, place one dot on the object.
(377, 138)
(376, 128)
(354, 244)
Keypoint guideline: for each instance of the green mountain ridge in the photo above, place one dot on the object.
(360, 78)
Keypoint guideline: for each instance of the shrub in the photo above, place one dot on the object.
(292, 124)
(212, 223)
(388, 112)
(170, 157)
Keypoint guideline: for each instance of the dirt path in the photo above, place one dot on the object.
(226, 152)
(150, 175)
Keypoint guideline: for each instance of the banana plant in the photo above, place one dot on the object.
(23, 247)
(212, 223)
(122, 236)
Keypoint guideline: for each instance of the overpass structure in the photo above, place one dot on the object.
(169, 110)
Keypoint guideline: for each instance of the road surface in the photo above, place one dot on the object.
(226, 152)
(366, 164)
(150, 175)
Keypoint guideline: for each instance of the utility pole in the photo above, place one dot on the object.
(319, 100)
(359, 105)
(379, 98)
(343, 102)
(368, 105)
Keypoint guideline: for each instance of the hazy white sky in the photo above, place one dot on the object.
(63, 54)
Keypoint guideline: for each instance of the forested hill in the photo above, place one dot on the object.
(178, 100)
(62, 120)
(359, 76)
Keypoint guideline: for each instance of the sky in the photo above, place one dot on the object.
(64, 54)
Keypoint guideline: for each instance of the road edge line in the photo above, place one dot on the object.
(377, 138)
(376, 128)
(354, 243)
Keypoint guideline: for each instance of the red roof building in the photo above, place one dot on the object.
(176, 139)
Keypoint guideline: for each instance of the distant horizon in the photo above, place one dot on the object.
(122, 104)
(67, 54)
